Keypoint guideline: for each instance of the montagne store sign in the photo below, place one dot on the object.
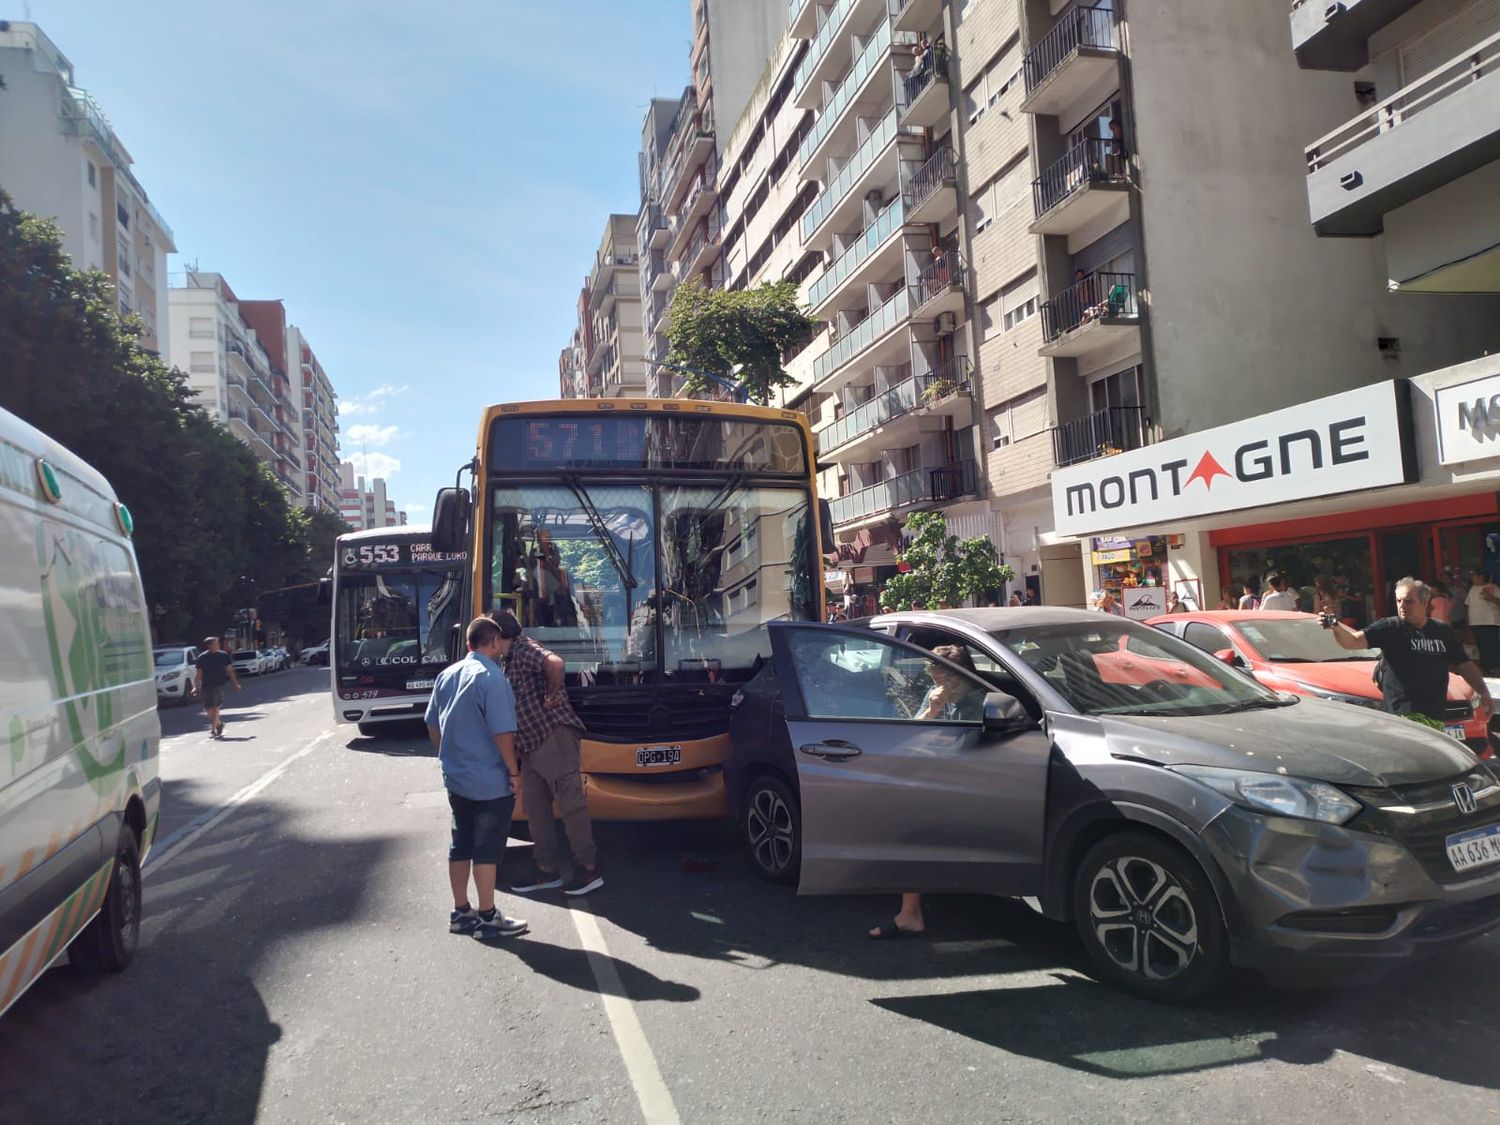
(1346, 442)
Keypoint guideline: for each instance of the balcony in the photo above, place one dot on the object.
(869, 419)
(701, 252)
(651, 228)
(1091, 181)
(940, 286)
(925, 91)
(1073, 58)
(920, 486)
(1335, 36)
(859, 258)
(804, 88)
(931, 193)
(875, 327)
(802, 19)
(1429, 133)
(917, 15)
(1098, 312)
(658, 273)
(844, 187)
(698, 203)
(869, 67)
(1103, 433)
(691, 147)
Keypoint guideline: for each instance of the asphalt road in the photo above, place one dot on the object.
(295, 965)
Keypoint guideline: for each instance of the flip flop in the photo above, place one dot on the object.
(889, 931)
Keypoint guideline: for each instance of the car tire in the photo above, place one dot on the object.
(107, 944)
(772, 826)
(1149, 918)
(369, 730)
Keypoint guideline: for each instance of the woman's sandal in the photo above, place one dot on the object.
(890, 931)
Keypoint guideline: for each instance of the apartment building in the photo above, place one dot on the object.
(316, 424)
(1229, 381)
(364, 507)
(613, 363)
(62, 158)
(233, 369)
(572, 368)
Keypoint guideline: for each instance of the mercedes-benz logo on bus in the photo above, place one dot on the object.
(1463, 797)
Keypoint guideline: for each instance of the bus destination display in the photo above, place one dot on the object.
(519, 444)
(375, 556)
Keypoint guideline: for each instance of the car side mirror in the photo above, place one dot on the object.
(1230, 657)
(450, 520)
(1003, 714)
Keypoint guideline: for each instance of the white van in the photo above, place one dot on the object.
(79, 785)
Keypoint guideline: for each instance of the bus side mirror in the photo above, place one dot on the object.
(827, 543)
(450, 520)
(325, 591)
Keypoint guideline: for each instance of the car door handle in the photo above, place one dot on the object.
(832, 750)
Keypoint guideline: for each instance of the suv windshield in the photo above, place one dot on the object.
(1298, 641)
(170, 658)
(633, 582)
(1116, 667)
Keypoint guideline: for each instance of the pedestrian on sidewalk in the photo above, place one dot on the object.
(215, 670)
(471, 720)
(1278, 596)
(1483, 605)
(548, 734)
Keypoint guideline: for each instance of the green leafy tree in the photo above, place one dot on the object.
(719, 330)
(943, 568)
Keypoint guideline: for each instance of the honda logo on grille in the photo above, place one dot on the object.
(1463, 797)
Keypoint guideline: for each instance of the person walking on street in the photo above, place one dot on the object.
(1418, 652)
(1278, 596)
(1483, 607)
(548, 733)
(215, 670)
(471, 720)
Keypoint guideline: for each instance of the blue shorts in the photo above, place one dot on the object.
(480, 828)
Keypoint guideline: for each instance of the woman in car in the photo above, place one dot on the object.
(952, 696)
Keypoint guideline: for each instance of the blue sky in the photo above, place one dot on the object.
(423, 185)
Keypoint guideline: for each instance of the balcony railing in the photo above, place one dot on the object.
(865, 333)
(819, 46)
(837, 188)
(879, 43)
(709, 234)
(946, 270)
(1111, 430)
(901, 399)
(1079, 27)
(875, 234)
(1091, 160)
(940, 168)
(934, 64)
(947, 482)
(1099, 296)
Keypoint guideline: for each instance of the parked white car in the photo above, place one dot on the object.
(271, 659)
(176, 669)
(315, 654)
(248, 662)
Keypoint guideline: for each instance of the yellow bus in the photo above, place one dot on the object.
(647, 542)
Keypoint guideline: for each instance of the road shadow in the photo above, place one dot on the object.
(571, 967)
(184, 1033)
(391, 748)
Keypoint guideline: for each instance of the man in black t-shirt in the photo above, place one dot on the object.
(1419, 651)
(215, 669)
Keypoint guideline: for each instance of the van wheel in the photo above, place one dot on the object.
(773, 829)
(108, 943)
(1149, 918)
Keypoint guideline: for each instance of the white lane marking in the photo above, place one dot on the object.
(171, 846)
(640, 1063)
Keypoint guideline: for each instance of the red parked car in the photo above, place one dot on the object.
(1293, 652)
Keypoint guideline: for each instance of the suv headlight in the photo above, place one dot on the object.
(1341, 697)
(170, 677)
(1275, 793)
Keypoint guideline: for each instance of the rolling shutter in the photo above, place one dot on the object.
(1449, 39)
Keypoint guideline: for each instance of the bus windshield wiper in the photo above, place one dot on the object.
(601, 532)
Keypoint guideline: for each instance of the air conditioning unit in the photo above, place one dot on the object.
(945, 323)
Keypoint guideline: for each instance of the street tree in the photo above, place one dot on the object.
(942, 569)
(720, 330)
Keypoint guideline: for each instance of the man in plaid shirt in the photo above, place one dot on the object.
(547, 736)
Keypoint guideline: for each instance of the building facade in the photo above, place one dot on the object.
(62, 158)
(613, 362)
(316, 423)
(364, 507)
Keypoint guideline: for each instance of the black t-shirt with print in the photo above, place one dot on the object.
(1417, 664)
(215, 668)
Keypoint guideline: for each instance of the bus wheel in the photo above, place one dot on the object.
(107, 944)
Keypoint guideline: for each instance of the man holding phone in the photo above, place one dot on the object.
(1419, 652)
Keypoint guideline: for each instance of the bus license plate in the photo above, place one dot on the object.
(659, 756)
(419, 685)
(1479, 847)
(1454, 732)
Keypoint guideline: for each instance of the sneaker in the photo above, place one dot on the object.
(496, 925)
(464, 921)
(537, 880)
(584, 880)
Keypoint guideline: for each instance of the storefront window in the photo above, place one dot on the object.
(1345, 563)
(1123, 563)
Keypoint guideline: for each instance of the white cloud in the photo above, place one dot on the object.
(371, 401)
(370, 435)
(416, 509)
(369, 465)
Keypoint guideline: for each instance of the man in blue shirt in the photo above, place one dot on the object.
(471, 720)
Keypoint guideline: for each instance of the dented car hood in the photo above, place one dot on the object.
(1334, 742)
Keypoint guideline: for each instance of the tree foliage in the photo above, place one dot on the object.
(214, 531)
(944, 569)
(715, 330)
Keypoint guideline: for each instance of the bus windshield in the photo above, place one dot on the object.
(635, 583)
(396, 619)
